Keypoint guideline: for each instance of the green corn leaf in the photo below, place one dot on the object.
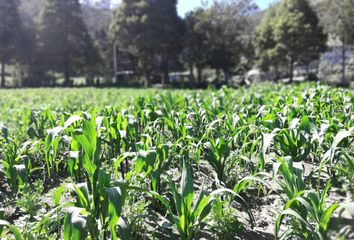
(51, 143)
(104, 179)
(140, 163)
(89, 130)
(326, 217)
(203, 208)
(266, 142)
(71, 120)
(150, 160)
(58, 194)
(218, 207)
(315, 201)
(242, 185)
(116, 196)
(187, 189)
(125, 231)
(292, 213)
(241, 200)
(82, 195)
(176, 196)
(119, 160)
(67, 227)
(16, 232)
(89, 154)
(305, 124)
(75, 224)
(337, 139)
(21, 171)
(73, 162)
(292, 204)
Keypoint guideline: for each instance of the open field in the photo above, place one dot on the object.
(265, 162)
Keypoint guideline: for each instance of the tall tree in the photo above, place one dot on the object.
(63, 36)
(297, 29)
(10, 27)
(291, 30)
(338, 19)
(150, 31)
(32, 74)
(170, 30)
(269, 53)
(228, 33)
(195, 42)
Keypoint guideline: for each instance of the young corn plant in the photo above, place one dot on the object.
(292, 181)
(6, 229)
(314, 224)
(191, 210)
(295, 141)
(38, 122)
(267, 139)
(302, 206)
(153, 163)
(329, 157)
(98, 202)
(15, 172)
(216, 153)
(52, 141)
(84, 218)
(345, 169)
(189, 218)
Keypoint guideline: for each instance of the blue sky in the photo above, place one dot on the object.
(185, 6)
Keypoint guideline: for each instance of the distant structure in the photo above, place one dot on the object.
(334, 55)
(331, 62)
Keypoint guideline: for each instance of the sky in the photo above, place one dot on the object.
(185, 6)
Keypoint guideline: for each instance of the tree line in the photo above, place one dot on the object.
(70, 38)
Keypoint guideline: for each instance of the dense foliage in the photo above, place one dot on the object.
(51, 42)
(63, 34)
(150, 32)
(290, 33)
(338, 20)
(9, 34)
(109, 164)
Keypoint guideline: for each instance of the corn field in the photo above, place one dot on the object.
(265, 162)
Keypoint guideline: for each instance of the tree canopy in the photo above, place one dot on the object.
(10, 27)
(338, 19)
(229, 34)
(150, 31)
(64, 40)
(48, 39)
(291, 29)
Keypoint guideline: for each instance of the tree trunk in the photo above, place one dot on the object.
(217, 73)
(226, 77)
(344, 78)
(191, 75)
(2, 74)
(182, 82)
(199, 75)
(276, 73)
(146, 80)
(165, 76)
(291, 70)
(67, 74)
(90, 78)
